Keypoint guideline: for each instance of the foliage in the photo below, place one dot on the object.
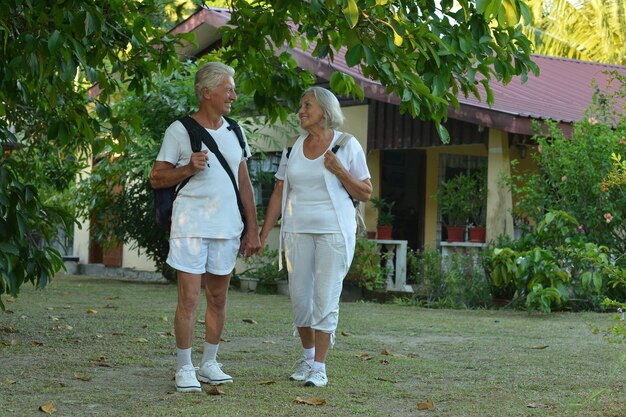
(561, 184)
(53, 54)
(385, 211)
(462, 199)
(587, 30)
(554, 267)
(447, 282)
(367, 266)
(424, 53)
(263, 267)
(27, 232)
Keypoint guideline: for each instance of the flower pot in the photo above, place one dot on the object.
(384, 232)
(282, 287)
(477, 234)
(248, 284)
(456, 233)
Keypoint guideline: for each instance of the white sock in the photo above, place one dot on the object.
(309, 354)
(210, 353)
(184, 358)
(319, 366)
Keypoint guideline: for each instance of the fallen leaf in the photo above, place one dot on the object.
(7, 329)
(266, 382)
(426, 405)
(271, 342)
(62, 327)
(346, 334)
(49, 308)
(384, 361)
(82, 377)
(118, 333)
(365, 357)
(139, 340)
(112, 298)
(12, 342)
(48, 408)
(111, 306)
(251, 321)
(387, 352)
(57, 383)
(67, 307)
(539, 347)
(200, 321)
(8, 311)
(214, 390)
(91, 311)
(35, 343)
(310, 401)
(53, 318)
(538, 405)
(224, 339)
(163, 318)
(386, 380)
(9, 382)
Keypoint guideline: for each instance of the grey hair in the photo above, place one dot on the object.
(210, 75)
(333, 116)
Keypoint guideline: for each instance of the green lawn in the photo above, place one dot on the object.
(102, 347)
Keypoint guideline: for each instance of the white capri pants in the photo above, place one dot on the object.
(317, 265)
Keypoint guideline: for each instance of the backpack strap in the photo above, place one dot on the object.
(234, 126)
(290, 143)
(343, 139)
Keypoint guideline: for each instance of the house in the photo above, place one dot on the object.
(406, 156)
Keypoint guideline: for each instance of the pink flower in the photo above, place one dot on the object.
(608, 217)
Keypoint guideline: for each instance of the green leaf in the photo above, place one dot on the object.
(351, 13)
(54, 42)
(354, 55)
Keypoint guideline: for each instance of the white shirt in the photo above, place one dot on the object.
(353, 159)
(309, 208)
(207, 205)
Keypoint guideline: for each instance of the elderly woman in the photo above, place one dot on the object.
(314, 193)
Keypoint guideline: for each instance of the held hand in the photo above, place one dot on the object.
(199, 161)
(250, 245)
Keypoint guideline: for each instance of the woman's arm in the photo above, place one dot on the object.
(358, 190)
(273, 212)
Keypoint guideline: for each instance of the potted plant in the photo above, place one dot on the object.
(366, 272)
(384, 223)
(457, 201)
(476, 230)
(262, 274)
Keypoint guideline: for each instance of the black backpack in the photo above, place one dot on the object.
(164, 197)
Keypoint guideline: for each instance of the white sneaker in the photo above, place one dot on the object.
(186, 380)
(304, 367)
(316, 379)
(212, 373)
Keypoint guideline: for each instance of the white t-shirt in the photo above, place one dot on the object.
(309, 208)
(207, 205)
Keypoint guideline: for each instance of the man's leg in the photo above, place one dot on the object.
(184, 321)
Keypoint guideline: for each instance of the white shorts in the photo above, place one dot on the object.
(197, 255)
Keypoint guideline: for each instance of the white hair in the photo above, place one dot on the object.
(210, 75)
(333, 116)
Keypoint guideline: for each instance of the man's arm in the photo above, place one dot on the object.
(165, 175)
(250, 242)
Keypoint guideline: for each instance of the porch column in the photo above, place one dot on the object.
(499, 198)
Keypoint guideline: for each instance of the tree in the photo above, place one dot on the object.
(424, 52)
(52, 54)
(591, 30)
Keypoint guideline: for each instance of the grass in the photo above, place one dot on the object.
(100, 347)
